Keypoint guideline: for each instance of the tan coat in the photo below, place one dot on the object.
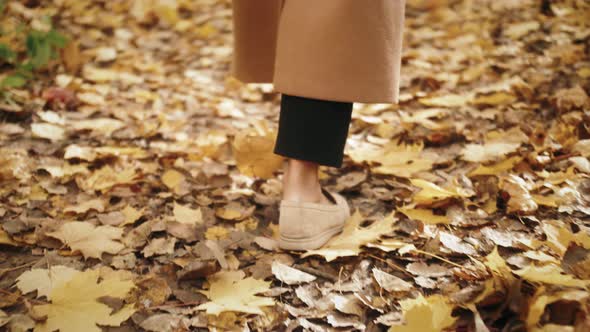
(341, 50)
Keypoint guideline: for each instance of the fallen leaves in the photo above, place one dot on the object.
(253, 150)
(90, 240)
(185, 215)
(550, 274)
(74, 304)
(430, 314)
(106, 177)
(230, 291)
(289, 275)
(423, 215)
(520, 198)
(45, 280)
(49, 131)
(354, 236)
(167, 163)
(430, 193)
(394, 158)
(496, 146)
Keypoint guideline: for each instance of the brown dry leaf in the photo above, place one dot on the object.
(49, 131)
(165, 323)
(74, 306)
(542, 299)
(103, 75)
(90, 98)
(492, 89)
(230, 291)
(517, 30)
(6, 239)
(159, 246)
(582, 147)
(390, 282)
(423, 117)
(91, 153)
(520, 197)
(103, 126)
(234, 211)
(253, 150)
(96, 204)
(496, 146)
(569, 99)
(449, 100)
(456, 244)
(289, 275)
(90, 240)
(353, 237)
(106, 177)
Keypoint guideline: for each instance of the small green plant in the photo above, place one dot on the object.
(40, 47)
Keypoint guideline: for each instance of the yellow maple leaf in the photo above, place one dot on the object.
(253, 151)
(230, 291)
(353, 237)
(430, 314)
(559, 236)
(45, 280)
(431, 192)
(90, 240)
(398, 159)
(497, 168)
(541, 299)
(172, 179)
(106, 177)
(424, 215)
(550, 274)
(502, 277)
(74, 306)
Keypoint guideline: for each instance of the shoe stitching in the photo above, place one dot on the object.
(311, 205)
(317, 236)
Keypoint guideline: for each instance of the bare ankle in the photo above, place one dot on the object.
(301, 182)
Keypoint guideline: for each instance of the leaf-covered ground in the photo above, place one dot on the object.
(138, 190)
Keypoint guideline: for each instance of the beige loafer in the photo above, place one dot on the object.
(307, 225)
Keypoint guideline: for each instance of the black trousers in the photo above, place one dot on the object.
(313, 129)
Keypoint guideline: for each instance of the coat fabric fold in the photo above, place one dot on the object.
(340, 50)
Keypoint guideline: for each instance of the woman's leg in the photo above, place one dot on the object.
(312, 132)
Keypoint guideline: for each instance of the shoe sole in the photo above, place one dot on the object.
(309, 243)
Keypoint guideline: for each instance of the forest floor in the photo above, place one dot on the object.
(139, 190)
